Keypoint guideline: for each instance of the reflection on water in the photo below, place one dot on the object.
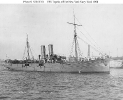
(61, 86)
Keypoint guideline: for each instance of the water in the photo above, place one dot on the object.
(61, 86)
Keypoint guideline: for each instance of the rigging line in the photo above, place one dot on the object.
(88, 34)
(80, 54)
(91, 46)
(84, 35)
(92, 39)
(89, 40)
(83, 40)
(31, 53)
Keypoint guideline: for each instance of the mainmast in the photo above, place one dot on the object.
(27, 43)
(75, 37)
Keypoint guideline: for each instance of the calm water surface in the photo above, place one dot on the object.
(61, 86)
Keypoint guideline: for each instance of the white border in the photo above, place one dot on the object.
(45, 1)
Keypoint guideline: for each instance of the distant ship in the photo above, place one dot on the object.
(54, 63)
(116, 64)
(121, 65)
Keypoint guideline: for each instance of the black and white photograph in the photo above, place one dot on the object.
(61, 51)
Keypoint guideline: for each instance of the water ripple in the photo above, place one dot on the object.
(60, 86)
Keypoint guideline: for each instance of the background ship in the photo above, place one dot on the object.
(54, 63)
(116, 62)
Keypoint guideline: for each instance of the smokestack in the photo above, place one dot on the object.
(50, 46)
(43, 51)
(88, 50)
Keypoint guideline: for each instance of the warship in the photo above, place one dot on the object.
(55, 63)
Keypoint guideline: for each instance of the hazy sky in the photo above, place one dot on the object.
(47, 24)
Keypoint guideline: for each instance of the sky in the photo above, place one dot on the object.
(102, 26)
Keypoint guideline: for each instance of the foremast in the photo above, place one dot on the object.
(75, 38)
(27, 44)
(27, 52)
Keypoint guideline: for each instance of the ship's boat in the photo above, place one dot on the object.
(55, 63)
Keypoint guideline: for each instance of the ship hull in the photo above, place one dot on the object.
(71, 67)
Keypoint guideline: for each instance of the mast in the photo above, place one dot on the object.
(27, 43)
(75, 37)
(88, 50)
